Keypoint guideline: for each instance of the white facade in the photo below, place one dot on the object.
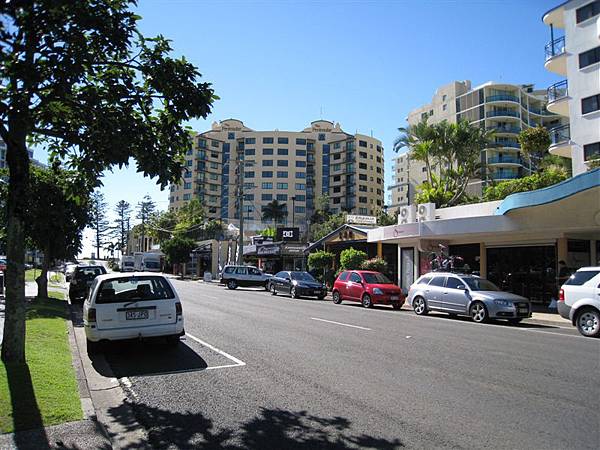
(575, 56)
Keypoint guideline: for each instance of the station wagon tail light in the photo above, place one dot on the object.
(91, 316)
(178, 309)
(561, 295)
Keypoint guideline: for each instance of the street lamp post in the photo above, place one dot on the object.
(293, 209)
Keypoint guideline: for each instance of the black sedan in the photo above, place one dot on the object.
(297, 284)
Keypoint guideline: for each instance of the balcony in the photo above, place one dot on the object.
(503, 175)
(505, 160)
(560, 141)
(507, 143)
(556, 56)
(505, 129)
(502, 98)
(558, 98)
(502, 113)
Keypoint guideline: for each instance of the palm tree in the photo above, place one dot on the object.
(274, 211)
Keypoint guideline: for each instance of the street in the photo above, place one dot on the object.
(258, 371)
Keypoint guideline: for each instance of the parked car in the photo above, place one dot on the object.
(69, 269)
(369, 288)
(468, 295)
(297, 284)
(82, 279)
(127, 306)
(245, 276)
(579, 301)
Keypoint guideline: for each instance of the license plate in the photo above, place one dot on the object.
(394, 297)
(136, 315)
(523, 310)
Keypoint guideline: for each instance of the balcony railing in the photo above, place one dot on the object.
(504, 112)
(511, 144)
(502, 98)
(503, 175)
(557, 91)
(506, 129)
(560, 134)
(504, 160)
(555, 48)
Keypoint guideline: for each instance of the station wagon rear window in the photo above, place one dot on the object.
(125, 289)
(578, 278)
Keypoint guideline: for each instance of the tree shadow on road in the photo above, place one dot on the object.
(270, 429)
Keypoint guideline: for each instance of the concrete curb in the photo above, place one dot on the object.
(102, 394)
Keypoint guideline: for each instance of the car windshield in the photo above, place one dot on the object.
(480, 284)
(302, 276)
(128, 263)
(118, 290)
(152, 264)
(376, 278)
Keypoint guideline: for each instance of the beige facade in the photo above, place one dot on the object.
(504, 108)
(293, 167)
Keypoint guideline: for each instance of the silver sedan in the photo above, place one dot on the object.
(468, 295)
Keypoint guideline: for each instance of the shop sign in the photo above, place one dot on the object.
(362, 220)
(294, 249)
(288, 234)
(266, 250)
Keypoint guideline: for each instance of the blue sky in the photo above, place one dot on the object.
(365, 64)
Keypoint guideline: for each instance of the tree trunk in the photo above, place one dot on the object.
(13, 344)
(42, 280)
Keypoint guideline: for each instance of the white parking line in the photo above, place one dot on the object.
(238, 362)
(340, 323)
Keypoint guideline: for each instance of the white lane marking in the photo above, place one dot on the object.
(340, 323)
(238, 362)
(127, 383)
(534, 330)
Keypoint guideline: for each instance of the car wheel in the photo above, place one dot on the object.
(273, 289)
(588, 322)
(231, 284)
(366, 301)
(419, 306)
(397, 305)
(294, 292)
(337, 298)
(267, 286)
(515, 321)
(173, 341)
(478, 312)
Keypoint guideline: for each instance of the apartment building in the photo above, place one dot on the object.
(504, 108)
(574, 53)
(399, 190)
(293, 167)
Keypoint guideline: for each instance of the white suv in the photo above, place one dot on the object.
(128, 306)
(579, 300)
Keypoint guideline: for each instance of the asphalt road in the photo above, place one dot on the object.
(257, 371)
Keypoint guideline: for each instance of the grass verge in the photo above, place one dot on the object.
(44, 391)
(31, 274)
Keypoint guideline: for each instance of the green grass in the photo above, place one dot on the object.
(57, 278)
(31, 274)
(45, 390)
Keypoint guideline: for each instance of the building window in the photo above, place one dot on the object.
(337, 189)
(299, 209)
(213, 176)
(321, 136)
(300, 141)
(300, 198)
(267, 185)
(379, 170)
(337, 167)
(214, 155)
(282, 174)
(336, 178)
(189, 163)
(267, 151)
(300, 152)
(187, 196)
(282, 140)
(362, 144)
(187, 174)
(362, 188)
(214, 165)
(250, 140)
(214, 187)
(267, 162)
(379, 181)
(202, 143)
(444, 107)
(337, 156)
(282, 185)
(249, 197)
(362, 166)
(300, 163)
(267, 140)
(362, 177)
(362, 155)
(282, 151)
(363, 211)
(190, 151)
(248, 174)
(214, 143)
(300, 175)
(248, 186)
(431, 112)
(187, 185)
(362, 199)
(266, 197)
(591, 151)
(444, 97)
(249, 152)
(336, 145)
(267, 174)
(300, 187)
(588, 11)
(282, 197)
(282, 163)
(590, 57)
(590, 104)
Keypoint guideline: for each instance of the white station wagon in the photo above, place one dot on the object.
(129, 306)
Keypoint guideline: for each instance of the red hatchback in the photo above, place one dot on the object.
(369, 288)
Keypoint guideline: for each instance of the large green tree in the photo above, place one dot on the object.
(79, 78)
(123, 212)
(178, 249)
(99, 224)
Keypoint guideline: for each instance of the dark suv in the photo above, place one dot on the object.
(82, 279)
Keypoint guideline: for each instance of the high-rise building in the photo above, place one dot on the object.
(293, 167)
(575, 56)
(504, 108)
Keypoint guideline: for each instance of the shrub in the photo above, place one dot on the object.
(351, 259)
(375, 264)
(532, 182)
